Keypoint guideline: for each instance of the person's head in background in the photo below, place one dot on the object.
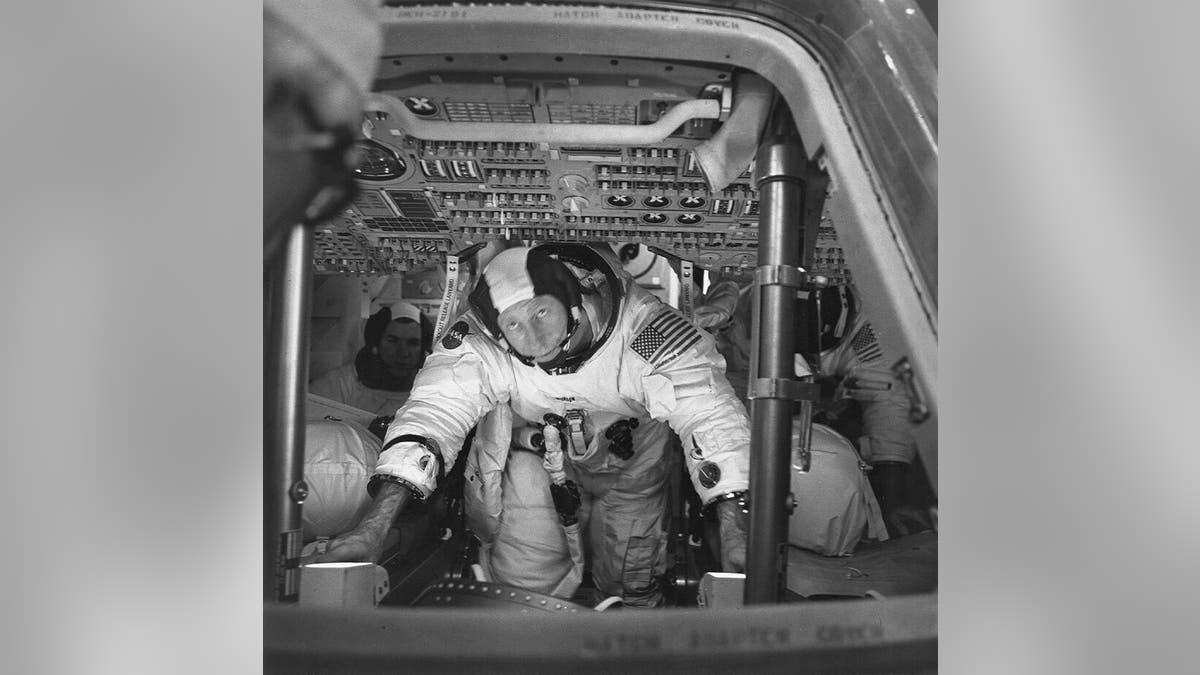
(398, 338)
(319, 58)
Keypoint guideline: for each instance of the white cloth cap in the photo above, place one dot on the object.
(404, 310)
(508, 278)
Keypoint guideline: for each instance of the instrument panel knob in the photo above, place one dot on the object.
(573, 182)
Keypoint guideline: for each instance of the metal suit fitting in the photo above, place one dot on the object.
(299, 491)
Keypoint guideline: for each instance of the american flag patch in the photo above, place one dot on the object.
(667, 336)
(866, 346)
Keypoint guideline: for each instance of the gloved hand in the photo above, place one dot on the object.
(621, 435)
(564, 492)
(718, 306)
(707, 316)
(732, 527)
(566, 501)
(558, 422)
(552, 460)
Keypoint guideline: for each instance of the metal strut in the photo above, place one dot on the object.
(285, 377)
(780, 171)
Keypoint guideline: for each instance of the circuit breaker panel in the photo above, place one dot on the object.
(424, 197)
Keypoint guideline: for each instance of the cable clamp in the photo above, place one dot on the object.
(779, 275)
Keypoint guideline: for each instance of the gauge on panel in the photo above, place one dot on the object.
(378, 162)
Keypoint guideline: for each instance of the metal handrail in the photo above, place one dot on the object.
(540, 132)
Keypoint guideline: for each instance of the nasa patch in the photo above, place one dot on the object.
(710, 474)
(454, 336)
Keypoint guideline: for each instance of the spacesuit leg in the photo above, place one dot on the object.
(530, 548)
(889, 446)
(629, 546)
(628, 531)
(887, 431)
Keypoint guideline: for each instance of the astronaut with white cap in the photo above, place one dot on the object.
(398, 337)
(560, 335)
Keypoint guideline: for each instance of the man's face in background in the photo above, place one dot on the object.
(400, 347)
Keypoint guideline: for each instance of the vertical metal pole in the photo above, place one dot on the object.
(285, 383)
(781, 194)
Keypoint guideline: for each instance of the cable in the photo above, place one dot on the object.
(477, 570)
(608, 602)
(649, 267)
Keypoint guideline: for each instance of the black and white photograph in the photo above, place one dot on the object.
(646, 336)
(603, 338)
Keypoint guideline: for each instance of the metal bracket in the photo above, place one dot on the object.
(686, 301)
(726, 104)
(779, 275)
(575, 424)
(783, 388)
(816, 282)
(722, 93)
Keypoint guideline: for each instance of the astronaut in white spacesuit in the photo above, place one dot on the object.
(862, 399)
(397, 338)
(560, 335)
(867, 402)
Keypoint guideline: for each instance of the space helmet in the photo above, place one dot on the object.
(518, 274)
(825, 318)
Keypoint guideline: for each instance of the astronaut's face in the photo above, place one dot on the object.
(400, 347)
(535, 328)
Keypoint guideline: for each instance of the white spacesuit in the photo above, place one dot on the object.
(646, 369)
(855, 358)
(869, 404)
(865, 402)
(380, 376)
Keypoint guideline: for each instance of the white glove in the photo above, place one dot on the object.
(719, 305)
(553, 459)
